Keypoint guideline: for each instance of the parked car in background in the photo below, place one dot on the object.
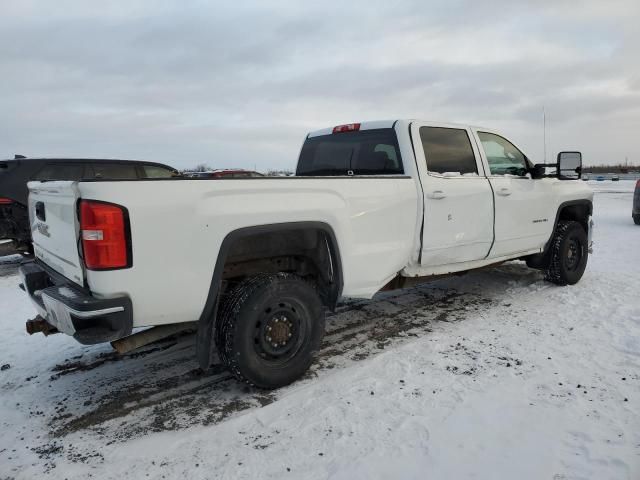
(615, 178)
(600, 178)
(14, 175)
(635, 212)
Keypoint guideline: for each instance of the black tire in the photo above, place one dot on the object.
(569, 253)
(636, 219)
(269, 328)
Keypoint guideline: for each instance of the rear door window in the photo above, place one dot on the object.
(448, 150)
(366, 152)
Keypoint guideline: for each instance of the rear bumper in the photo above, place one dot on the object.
(74, 311)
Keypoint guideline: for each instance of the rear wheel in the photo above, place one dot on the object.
(636, 219)
(569, 253)
(269, 328)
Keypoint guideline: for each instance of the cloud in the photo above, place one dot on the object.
(240, 85)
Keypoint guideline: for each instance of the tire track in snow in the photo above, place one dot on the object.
(115, 399)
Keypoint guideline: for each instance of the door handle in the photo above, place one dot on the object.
(504, 192)
(436, 194)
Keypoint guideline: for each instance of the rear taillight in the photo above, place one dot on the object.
(349, 127)
(105, 235)
(5, 201)
(638, 183)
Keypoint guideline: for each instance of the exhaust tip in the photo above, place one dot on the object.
(39, 324)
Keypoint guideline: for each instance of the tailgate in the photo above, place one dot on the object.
(54, 226)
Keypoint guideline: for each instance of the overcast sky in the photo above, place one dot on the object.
(239, 84)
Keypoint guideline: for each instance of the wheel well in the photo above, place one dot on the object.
(579, 212)
(309, 252)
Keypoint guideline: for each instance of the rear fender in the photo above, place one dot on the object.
(205, 346)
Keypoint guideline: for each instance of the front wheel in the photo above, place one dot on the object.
(636, 219)
(269, 328)
(569, 253)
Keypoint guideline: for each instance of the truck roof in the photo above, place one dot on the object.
(373, 124)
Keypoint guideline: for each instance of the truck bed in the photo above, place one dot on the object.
(178, 226)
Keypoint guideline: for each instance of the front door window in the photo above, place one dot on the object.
(503, 157)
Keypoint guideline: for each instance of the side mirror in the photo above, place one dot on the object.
(538, 170)
(569, 165)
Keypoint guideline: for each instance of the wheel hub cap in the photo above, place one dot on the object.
(279, 331)
(573, 254)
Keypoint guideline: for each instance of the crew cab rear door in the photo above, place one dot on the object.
(458, 201)
(54, 227)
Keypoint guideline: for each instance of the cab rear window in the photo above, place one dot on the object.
(365, 152)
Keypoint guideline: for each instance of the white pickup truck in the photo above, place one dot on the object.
(257, 261)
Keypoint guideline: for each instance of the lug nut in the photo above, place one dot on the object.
(268, 329)
(268, 339)
(290, 335)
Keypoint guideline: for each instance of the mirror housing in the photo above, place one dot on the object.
(569, 165)
(538, 171)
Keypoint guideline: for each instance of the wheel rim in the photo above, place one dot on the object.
(279, 332)
(573, 257)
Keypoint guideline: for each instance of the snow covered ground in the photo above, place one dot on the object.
(493, 375)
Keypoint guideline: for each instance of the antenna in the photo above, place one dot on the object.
(544, 133)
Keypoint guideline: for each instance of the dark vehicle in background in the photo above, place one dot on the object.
(15, 235)
(635, 213)
(226, 173)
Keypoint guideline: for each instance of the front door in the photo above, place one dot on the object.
(523, 219)
(458, 203)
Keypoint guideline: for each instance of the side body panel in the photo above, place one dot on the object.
(177, 228)
(524, 213)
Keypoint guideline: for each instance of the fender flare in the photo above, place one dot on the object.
(569, 203)
(205, 346)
